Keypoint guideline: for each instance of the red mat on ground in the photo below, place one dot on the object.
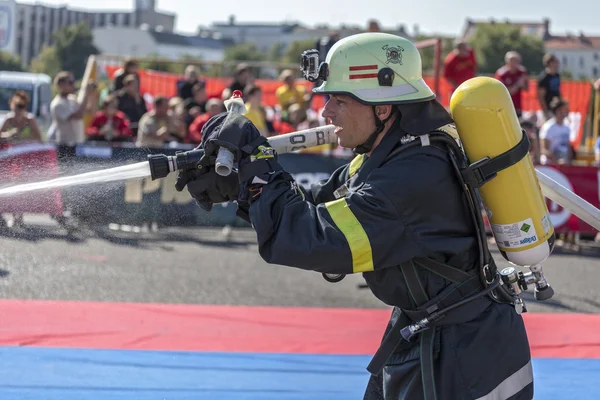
(247, 329)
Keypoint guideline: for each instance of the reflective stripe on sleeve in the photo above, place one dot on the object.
(511, 385)
(360, 247)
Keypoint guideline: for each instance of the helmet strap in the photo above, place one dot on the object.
(368, 144)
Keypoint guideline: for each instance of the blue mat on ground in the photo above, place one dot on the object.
(82, 374)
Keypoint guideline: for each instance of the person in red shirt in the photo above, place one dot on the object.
(213, 107)
(109, 124)
(514, 76)
(460, 64)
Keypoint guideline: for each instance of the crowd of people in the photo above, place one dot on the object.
(550, 128)
(124, 115)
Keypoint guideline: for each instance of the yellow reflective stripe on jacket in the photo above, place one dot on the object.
(355, 164)
(360, 247)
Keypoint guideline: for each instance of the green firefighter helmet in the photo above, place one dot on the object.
(375, 68)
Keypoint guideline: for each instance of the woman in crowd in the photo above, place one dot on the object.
(109, 124)
(19, 126)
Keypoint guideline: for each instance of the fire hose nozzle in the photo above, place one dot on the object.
(162, 165)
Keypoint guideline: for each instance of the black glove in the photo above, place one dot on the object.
(207, 187)
(232, 131)
(252, 152)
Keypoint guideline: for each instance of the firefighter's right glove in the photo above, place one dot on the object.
(252, 152)
(207, 187)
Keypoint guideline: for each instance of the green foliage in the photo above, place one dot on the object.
(74, 44)
(293, 52)
(155, 63)
(10, 62)
(47, 62)
(243, 52)
(276, 52)
(491, 42)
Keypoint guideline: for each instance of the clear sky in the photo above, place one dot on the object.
(439, 16)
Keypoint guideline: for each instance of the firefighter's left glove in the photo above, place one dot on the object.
(256, 159)
(207, 187)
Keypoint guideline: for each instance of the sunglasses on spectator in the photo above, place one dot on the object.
(20, 106)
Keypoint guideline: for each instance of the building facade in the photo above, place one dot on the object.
(144, 42)
(34, 24)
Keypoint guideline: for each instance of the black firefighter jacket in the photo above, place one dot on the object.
(394, 210)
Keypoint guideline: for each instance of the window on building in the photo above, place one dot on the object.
(581, 62)
(564, 61)
(595, 72)
(102, 22)
(31, 50)
(126, 19)
(596, 56)
(113, 19)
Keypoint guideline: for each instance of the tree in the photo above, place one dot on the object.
(156, 63)
(295, 49)
(47, 62)
(243, 52)
(491, 42)
(10, 62)
(276, 52)
(74, 44)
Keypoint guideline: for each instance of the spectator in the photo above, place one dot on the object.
(129, 68)
(254, 109)
(514, 76)
(213, 107)
(290, 93)
(530, 129)
(295, 117)
(243, 77)
(322, 46)
(109, 124)
(20, 125)
(555, 134)
(67, 113)
(154, 126)
(460, 64)
(185, 91)
(178, 127)
(196, 105)
(131, 103)
(326, 42)
(548, 84)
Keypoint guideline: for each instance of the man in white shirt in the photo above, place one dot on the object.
(67, 113)
(555, 134)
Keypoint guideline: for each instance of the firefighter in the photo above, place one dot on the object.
(397, 213)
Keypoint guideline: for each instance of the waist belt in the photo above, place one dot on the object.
(463, 285)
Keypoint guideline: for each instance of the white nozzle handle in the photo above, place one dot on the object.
(224, 162)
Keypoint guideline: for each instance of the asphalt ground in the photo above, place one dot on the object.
(215, 266)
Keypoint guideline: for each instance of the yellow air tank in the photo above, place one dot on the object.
(488, 126)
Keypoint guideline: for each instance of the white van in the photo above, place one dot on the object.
(39, 89)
